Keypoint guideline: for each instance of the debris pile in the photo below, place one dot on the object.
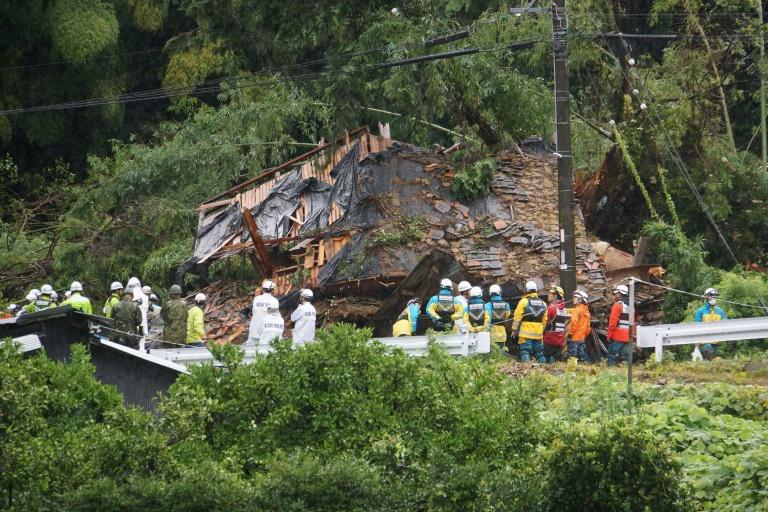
(370, 223)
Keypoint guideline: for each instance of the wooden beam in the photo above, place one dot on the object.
(258, 243)
(215, 204)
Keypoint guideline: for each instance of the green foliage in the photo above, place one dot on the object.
(82, 28)
(160, 266)
(344, 424)
(474, 180)
(615, 467)
(683, 259)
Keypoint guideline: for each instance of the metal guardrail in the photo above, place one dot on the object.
(664, 335)
(454, 344)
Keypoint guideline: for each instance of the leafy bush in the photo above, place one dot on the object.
(474, 180)
(616, 467)
(160, 266)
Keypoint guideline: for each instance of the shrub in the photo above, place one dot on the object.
(615, 467)
(474, 180)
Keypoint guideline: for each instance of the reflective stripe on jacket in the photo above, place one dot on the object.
(476, 318)
(530, 318)
(557, 316)
(618, 322)
(443, 307)
(499, 311)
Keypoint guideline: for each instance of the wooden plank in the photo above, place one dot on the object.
(309, 260)
(272, 171)
(321, 253)
(215, 204)
(258, 243)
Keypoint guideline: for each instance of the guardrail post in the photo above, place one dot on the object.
(659, 347)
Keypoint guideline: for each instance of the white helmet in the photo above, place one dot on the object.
(147, 290)
(67, 294)
(76, 286)
(446, 283)
(475, 291)
(134, 282)
(711, 292)
(54, 295)
(200, 297)
(306, 293)
(464, 286)
(152, 296)
(36, 292)
(46, 289)
(582, 295)
(494, 289)
(531, 286)
(622, 289)
(12, 308)
(116, 285)
(268, 285)
(32, 295)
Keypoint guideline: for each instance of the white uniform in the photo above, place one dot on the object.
(258, 312)
(272, 328)
(143, 307)
(304, 319)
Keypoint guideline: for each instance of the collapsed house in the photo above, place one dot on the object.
(368, 223)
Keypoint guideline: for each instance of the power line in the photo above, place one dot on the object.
(243, 81)
(677, 159)
(68, 61)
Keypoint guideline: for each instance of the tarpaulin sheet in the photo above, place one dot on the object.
(216, 230)
(271, 215)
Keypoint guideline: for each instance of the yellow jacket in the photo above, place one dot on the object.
(195, 325)
(79, 303)
(486, 319)
(530, 318)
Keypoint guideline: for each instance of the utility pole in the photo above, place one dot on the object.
(761, 70)
(564, 157)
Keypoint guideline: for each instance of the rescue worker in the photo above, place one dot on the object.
(54, 298)
(463, 296)
(304, 319)
(174, 314)
(117, 294)
(126, 317)
(154, 318)
(76, 301)
(272, 325)
(578, 327)
(442, 309)
(10, 311)
(476, 317)
(554, 333)
(618, 326)
(709, 312)
(528, 324)
(43, 301)
(30, 298)
(67, 294)
(261, 303)
(196, 322)
(499, 312)
(408, 321)
(142, 300)
(146, 290)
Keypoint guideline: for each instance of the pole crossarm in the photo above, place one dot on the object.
(667, 335)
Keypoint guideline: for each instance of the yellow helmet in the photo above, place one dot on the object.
(557, 290)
